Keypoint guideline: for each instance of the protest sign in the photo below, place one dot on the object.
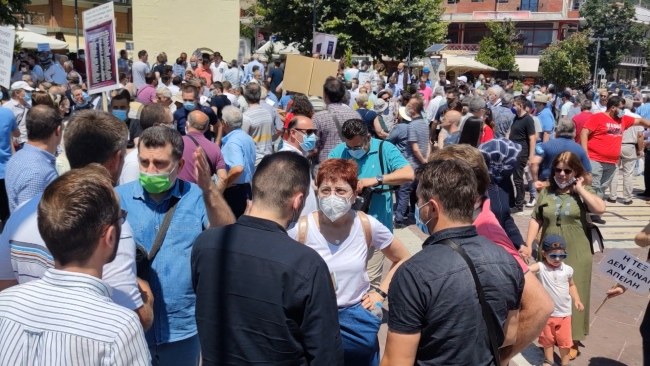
(307, 75)
(325, 44)
(42, 47)
(101, 55)
(7, 38)
(627, 270)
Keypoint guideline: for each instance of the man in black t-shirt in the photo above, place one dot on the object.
(522, 132)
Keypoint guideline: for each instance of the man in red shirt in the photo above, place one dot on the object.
(601, 137)
(203, 70)
(582, 117)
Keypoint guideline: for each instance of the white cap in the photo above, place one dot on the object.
(463, 78)
(21, 85)
(402, 113)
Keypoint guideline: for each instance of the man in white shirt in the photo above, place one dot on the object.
(90, 137)
(301, 139)
(67, 316)
(139, 69)
(567, 104)
(218, 67)
(21, 95)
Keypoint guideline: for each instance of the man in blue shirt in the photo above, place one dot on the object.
(239, 154)
(8, 130)
(545, 116)
(545, 153)
(173, 338)
(644, 111)
(358, 145)
(33, 167)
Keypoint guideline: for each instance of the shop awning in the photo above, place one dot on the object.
(30, 40)
(462, 64)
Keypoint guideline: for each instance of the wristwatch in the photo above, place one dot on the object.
(381, 293)
(380, 179)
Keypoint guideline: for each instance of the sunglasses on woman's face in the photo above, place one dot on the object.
(556, 256)
(566, 171)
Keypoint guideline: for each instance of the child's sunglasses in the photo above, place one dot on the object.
(556, 256)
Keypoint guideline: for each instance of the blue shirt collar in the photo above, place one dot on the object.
(50, 158)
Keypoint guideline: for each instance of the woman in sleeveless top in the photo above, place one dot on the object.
(342, 237)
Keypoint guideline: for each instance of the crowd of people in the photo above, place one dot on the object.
(201, 213)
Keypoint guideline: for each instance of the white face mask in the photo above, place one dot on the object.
(564, 185)
(334, 207)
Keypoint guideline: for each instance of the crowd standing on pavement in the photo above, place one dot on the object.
(203, 214)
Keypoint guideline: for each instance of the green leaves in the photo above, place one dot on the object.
(10, 7)
(375, 27)
(566, 63)
(499, 48)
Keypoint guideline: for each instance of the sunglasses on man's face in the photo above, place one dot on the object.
(566, 171)
(556, 256)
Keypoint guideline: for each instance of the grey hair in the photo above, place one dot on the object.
(585, 105)
(476, 104)
(68, 64)
(439, 91)
(163, 92)
(506, 98)
(565, 128)
(252, 93)
(361, 99)
(233, 116)
(498, 90)
(381, 84)
(159, 137)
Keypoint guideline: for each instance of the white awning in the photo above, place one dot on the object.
(279, 48)
(528, 64)
(462, 64)
(31, 40)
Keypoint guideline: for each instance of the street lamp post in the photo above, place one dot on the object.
(597, 39)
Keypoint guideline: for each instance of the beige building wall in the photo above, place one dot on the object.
(176, 26)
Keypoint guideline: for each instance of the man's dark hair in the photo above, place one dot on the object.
(176, 80)
(519, 99)
(218, 85)
(74, 212)
(252, 93)
(123, 53)
(277, 63)
(292, 124)
(142, 53)
(205, 58)
(255, 68)
(529, 104)
(191, 89)
(42, 121)
(275, 190)
(334, 89)
(149, 77)
(73, 78)
(122, 95)
(161, 136)
(590, 94)
(453, 184)
(154, 114)
(168, 69)
(614, 101)
(165, 79)
(93, 137)
(354, 127)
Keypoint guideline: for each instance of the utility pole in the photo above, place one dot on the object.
(313, 23)
(76, 23)
(597, 39)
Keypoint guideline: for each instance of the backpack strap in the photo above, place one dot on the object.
(365, 224)
(303, 228)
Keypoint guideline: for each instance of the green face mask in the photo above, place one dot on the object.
(156, 183)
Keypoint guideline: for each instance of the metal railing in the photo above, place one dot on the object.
(31, 18)
(634, 60)
(462, 47)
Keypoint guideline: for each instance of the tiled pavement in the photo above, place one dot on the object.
(614, 338)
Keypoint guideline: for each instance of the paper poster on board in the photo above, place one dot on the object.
(325, 44)
(6, 55)
(101, 55)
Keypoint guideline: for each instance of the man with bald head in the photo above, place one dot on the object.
(197, 123)
(450, 124)
(301, 140)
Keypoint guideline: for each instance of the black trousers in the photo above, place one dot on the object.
(518, 178)
(4, 203)
(646, 172)
(645, 335)
(236, 197)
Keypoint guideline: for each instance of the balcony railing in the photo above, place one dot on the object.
(31, 18)
(462, 47)
(634, 61)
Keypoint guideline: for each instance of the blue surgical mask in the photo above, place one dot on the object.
(357, 154)
(512, 109)
(27, 97)
(620, 113)
(422, 225)
(49, 56)
(120, 114)
(189, 106)
(193, 64)
(308, 142)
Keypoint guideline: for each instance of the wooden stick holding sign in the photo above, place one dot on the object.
(604, 300)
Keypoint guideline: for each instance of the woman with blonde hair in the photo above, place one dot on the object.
(561, 209)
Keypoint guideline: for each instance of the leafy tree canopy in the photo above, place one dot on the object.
(500, 47)
(566, 63)
(10, 8)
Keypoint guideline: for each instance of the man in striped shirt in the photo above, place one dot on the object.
(67, 317)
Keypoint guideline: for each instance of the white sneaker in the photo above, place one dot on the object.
(532, 202)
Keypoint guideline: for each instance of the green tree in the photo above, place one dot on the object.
(375, 27)
(566, 63)
(500, 47)
(613, 19)
(10, 8)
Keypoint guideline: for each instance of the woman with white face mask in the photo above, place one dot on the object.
(563, 205)
(342, 237)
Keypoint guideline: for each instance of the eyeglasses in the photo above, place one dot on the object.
(557, 256)
(566, 171)
(121, 219)
(307, 132)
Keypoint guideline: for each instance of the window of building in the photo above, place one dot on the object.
(536, 37)
(530, 5)
(477, 1)
(474, 33)
(453, 33)
(575, 4)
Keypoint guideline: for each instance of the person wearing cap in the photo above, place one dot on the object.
(560, 209)
(20, 103)
(567, 104)
(545, 116)
(381, 107)
(462, 80)
(426, 72)
(557, 278)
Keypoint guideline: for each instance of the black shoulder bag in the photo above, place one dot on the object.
(485, 307)
(143, 259)
(362, 202)
(206, 153)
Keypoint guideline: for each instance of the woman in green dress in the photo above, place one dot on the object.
(563, 203)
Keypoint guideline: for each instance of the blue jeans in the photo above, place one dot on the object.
(403, 199)
(181, 353)
(359, 328)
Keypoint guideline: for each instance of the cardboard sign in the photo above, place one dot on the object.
(43, 47)
(307, 75)
(627, 270)
(6, 54)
